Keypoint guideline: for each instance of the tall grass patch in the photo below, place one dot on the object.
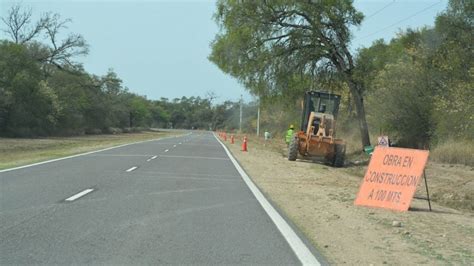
(454, 152)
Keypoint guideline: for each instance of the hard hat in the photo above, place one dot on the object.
(291, 126)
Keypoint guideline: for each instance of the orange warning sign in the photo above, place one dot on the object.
(391, 178)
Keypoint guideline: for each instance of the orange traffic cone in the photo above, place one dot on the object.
(244, 144)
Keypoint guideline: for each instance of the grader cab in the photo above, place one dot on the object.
(317, 134)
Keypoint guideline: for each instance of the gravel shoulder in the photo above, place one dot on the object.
(319, 200)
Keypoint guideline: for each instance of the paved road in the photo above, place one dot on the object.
(178, 200)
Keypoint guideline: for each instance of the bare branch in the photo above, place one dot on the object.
(60, 52)
(279, 37)
(19, 27)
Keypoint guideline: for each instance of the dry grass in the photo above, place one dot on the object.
(454, 152)
(16, 152)
(319, 200)
(450, 185)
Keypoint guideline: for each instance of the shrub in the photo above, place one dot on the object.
(112, 130)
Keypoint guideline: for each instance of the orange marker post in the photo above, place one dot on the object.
(225, 136)
(231, 139)
(391, 178)
(244, 144)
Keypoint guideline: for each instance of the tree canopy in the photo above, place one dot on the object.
(420, 84)
(266, 45)
(44, 91)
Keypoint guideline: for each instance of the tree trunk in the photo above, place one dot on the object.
(359, 104)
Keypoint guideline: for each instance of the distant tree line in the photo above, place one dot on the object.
(44, 92)
(417, 88)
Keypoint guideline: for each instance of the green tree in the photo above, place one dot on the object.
(261, 43)
(118, 101)
(428, 73)
(159, 116)
(454, 62)
(402, 104)
(76, 91)
(139, 112)
(30, 106)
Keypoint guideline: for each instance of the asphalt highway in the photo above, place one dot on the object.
(178, 200)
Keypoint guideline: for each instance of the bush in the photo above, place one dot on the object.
(66, 132)
(112, 130)
(138, 129)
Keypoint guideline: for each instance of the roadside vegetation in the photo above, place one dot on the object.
(45, 92)
(20, 151)
(418, 88)
(454, 152)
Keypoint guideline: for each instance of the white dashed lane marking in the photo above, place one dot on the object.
(131, 169)
(80, 194)
(152, 158)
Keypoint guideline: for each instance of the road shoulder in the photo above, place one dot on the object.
(319, 200)
(304, 252)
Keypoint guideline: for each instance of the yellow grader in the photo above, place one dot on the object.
(317, 135)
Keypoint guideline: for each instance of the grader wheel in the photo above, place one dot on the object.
(293, 149)
(340, 154)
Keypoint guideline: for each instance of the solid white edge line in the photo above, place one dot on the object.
(301, 251)
(131, 169)
(81, 154)
(80, 194)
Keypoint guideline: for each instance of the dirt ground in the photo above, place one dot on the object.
(319, 200)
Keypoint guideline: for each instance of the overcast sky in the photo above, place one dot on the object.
(160, 48)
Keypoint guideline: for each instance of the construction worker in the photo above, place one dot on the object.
(289, 134)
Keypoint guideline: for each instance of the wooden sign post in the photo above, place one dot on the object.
(392, 178)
